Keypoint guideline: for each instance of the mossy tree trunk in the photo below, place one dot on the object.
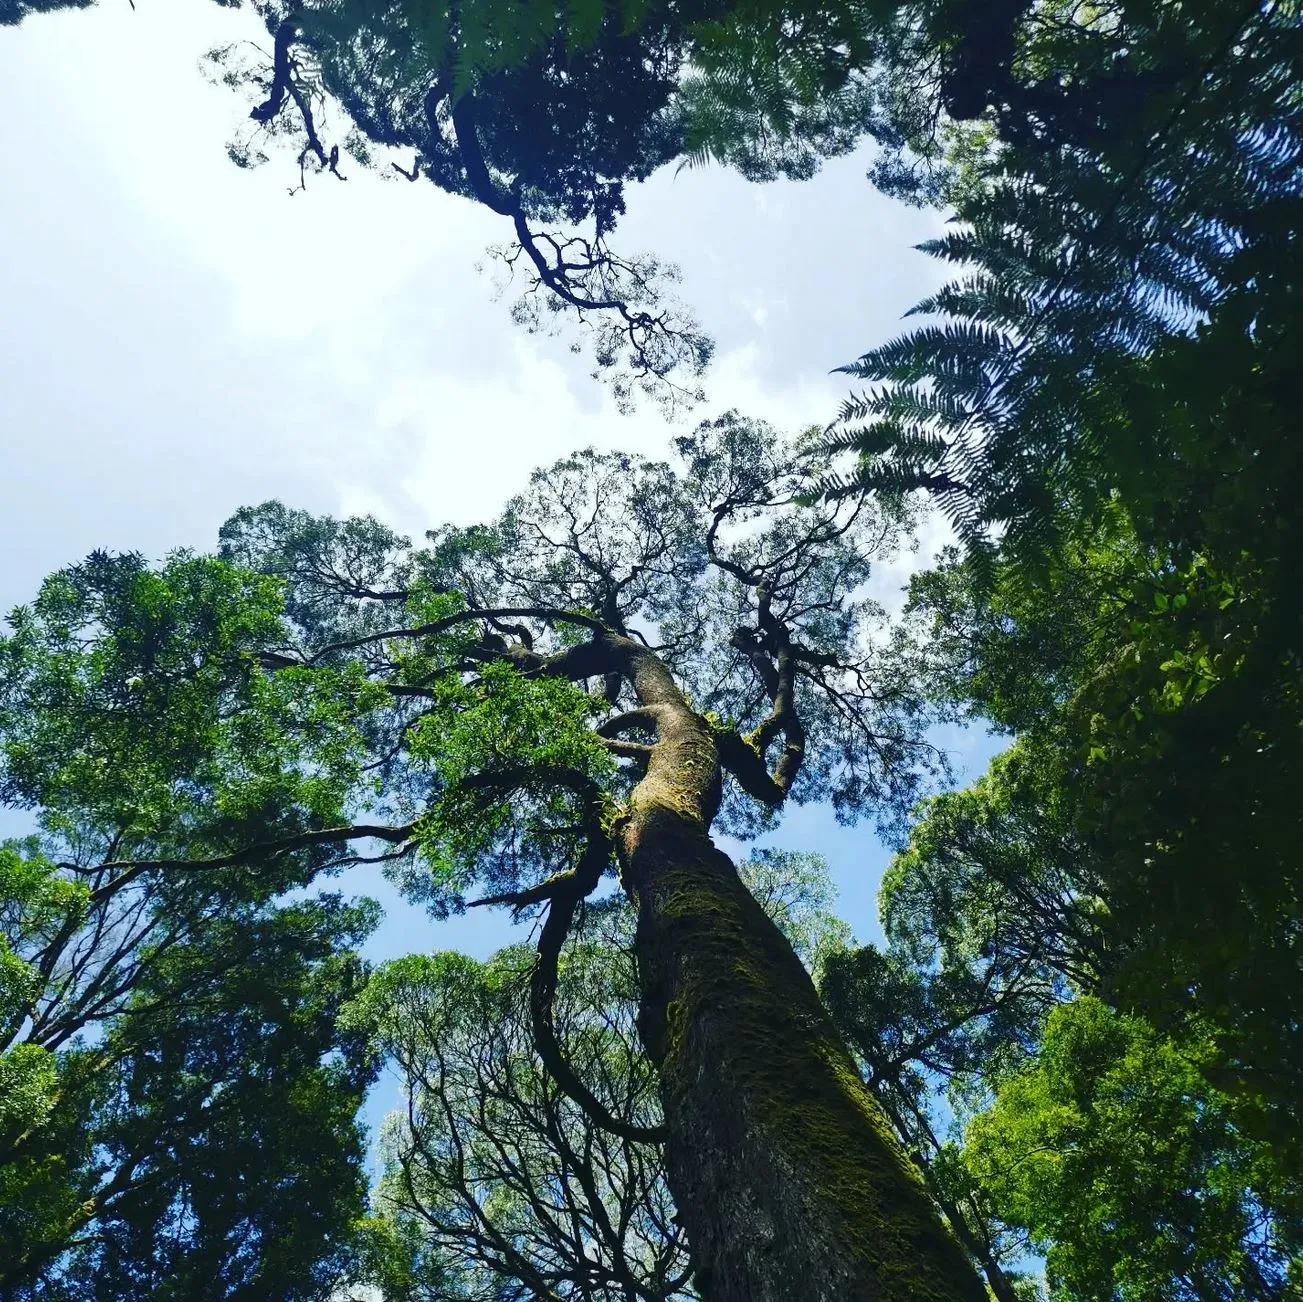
(786, 1173)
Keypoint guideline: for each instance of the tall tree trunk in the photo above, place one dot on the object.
(787, 1176)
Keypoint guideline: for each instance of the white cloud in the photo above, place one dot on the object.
(183, 336)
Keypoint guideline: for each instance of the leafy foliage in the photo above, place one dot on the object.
(1145, 790)
(1106, 415)
(541, 114)
(168, 1115)
(1142, 1161)
(1137, 844)
(198, 711)
(133, 700)
(775, 89)
(795, 889)
(1085, 1019)
(496, 746)
(204, 1145)
(1131, 1171)
(979, 928)
(199, 737)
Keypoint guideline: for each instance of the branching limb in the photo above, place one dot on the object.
(611, 731)
(284, 86)
(585, 273)
(286, 35)
(635, 750)
(747, 765)
(437, 627)
(519, 631)
(773, 656)
(129, 869)
(749, 642)
(547, 889)
(414, 174)
(644, 718)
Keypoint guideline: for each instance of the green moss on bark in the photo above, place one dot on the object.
(787, 1141)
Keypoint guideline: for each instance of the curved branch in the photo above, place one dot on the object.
(444, 625)
(581, 882)
(748, 641)
(544, 890)
(635, 750)
(740, 756)
(284, 37)
(564, 891)
(773, 656)
(645, 717)
(583, 273)
(472, 157)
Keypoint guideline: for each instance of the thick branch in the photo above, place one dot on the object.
(438, 626)
(564, 891)
(637, 750)
(545, 890)
(285, 36)
(772, 654)
(643, 718)
(741, 758)
(472, 157)
(543, 982)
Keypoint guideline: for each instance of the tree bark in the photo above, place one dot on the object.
(788, 1179)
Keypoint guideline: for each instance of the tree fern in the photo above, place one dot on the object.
(1094, 240)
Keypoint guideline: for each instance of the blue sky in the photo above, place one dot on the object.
(182, 338)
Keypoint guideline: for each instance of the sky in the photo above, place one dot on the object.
(179, 337)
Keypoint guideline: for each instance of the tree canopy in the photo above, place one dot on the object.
(1079, 1039)
(629, 652)
(1135, 193)
(198, 1138)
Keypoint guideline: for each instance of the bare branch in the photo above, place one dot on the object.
(643, 718)
(129, 869)
(543, 982)
(585, 274)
